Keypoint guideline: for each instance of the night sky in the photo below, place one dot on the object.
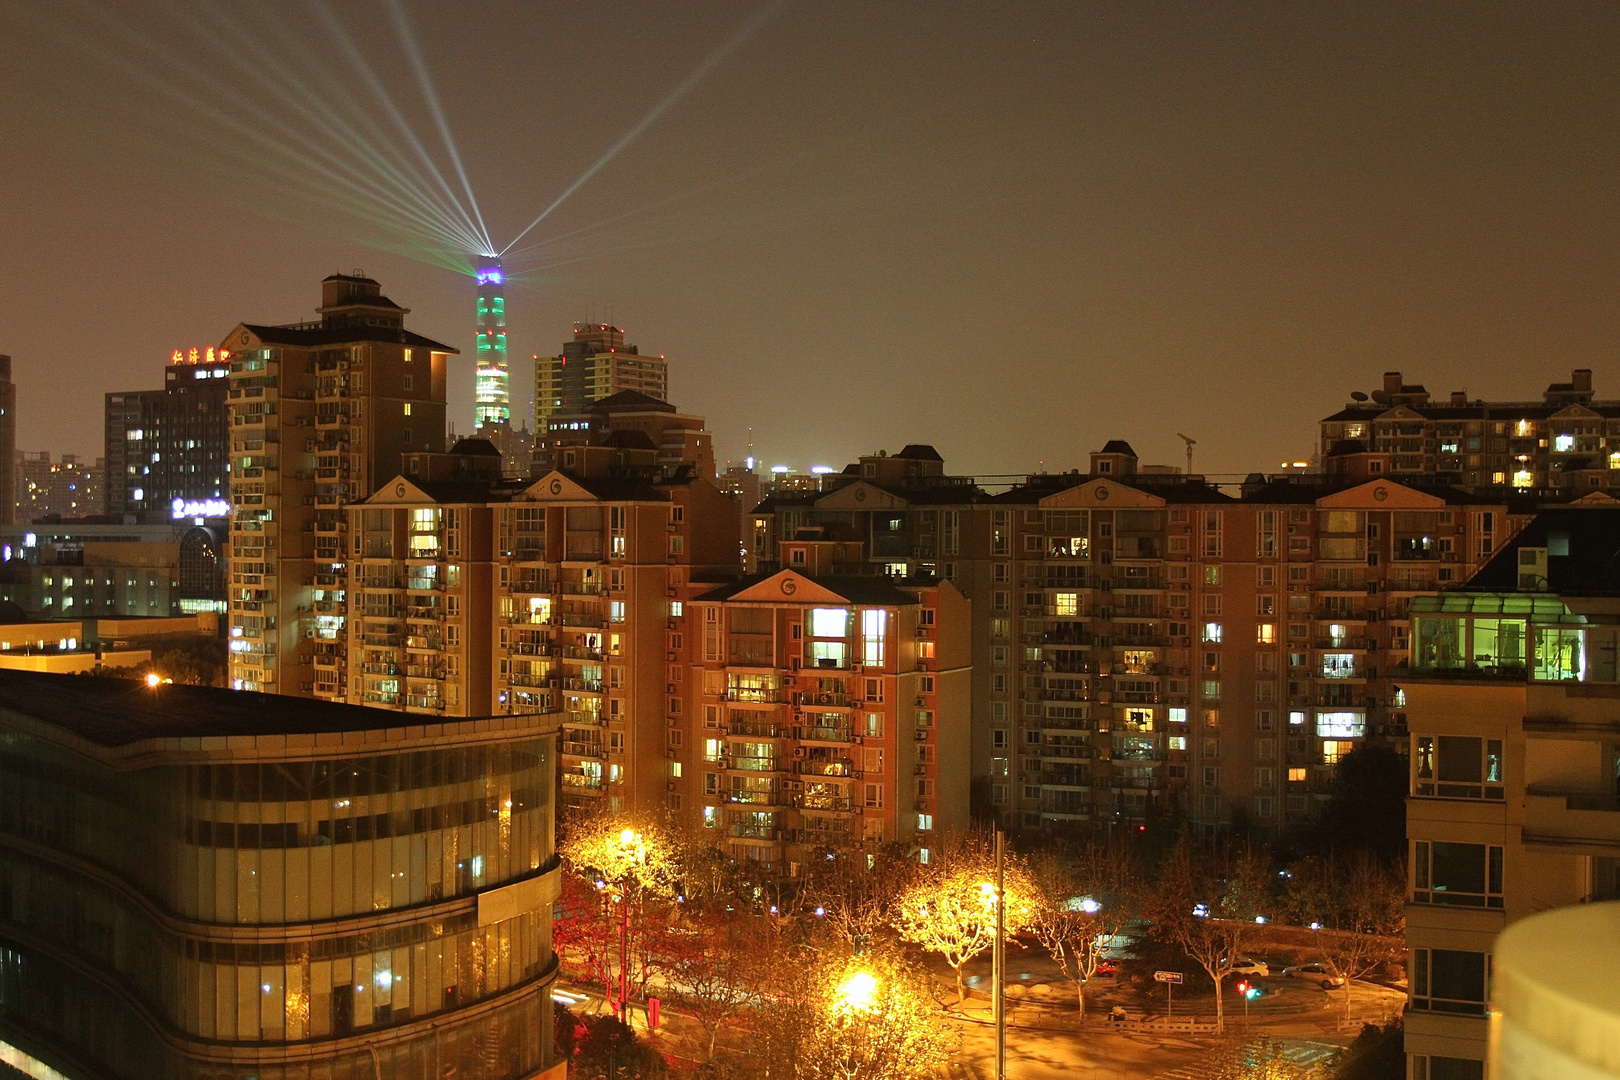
(1011, 230)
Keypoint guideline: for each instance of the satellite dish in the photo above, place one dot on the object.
(1357, 395)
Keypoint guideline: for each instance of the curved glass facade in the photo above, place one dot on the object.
(194, 913)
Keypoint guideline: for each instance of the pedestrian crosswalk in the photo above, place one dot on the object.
(1299, 1051)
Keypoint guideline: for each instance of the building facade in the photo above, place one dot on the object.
(167, 450)
(321, 415)
(1566, 443)
(1514, 804)
(69, 488)
(595, 365)
(812, 711)
(204, 883)
(1144, 643)
(591, 437)
(90, 568)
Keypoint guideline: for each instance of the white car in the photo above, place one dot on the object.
(1257, 969)
(1315, 973)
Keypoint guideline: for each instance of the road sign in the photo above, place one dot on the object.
(1167, 976)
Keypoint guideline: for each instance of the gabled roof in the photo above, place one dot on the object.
(919, 452)
(790, 587)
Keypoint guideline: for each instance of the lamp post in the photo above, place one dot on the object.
(995, 894)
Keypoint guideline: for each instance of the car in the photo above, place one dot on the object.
(1107, 967)
(1315, 973)
(1257, 969)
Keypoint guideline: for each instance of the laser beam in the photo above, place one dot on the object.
(680, 91)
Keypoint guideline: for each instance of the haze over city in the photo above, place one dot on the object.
(878, 225)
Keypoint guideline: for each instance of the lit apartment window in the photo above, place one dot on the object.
(1457, 767)
(1335, 749)
(1296, 776)
(1212, 632)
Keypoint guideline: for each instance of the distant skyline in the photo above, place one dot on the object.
(1014, 233)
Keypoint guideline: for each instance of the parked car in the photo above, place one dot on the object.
(1315, 973)
(1257, 969)
(1107, 967)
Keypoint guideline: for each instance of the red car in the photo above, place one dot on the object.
(1107, 967)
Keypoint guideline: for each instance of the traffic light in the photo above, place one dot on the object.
(1243, 988)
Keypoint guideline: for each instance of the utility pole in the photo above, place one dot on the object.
(1000, 962)
(1190, 443)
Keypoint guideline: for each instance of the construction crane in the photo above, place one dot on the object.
(1191, 442)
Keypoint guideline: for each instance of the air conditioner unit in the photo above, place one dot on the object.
(670, 657)
(860, 740)
(669, 688)
(670, 786)
(669, 752)
(798, 751)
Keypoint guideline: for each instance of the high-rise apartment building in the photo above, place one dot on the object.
(167, 450)
(8, 442)
(1566, 443)
(595, 365)
(68, 488)
(1514, 804)
(810, 709)
(1148, 640)
(197, 883)
(322, 413)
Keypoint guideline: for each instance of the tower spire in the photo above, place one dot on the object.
(492, 394)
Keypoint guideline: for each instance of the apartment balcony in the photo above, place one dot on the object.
(1345, 644)
(585, 686)
(375, 669)
(756, 798)
(424, 671)
(1065, 753)
(820, 698)
(763, 833)
(424, 703)
(836, 804)
(838, 769)
(1572, 821)
(331, 660)
(581, 718)
(377, 697)
(755, 729)
(391, 641)
(526, 679)
(330, 528)
(1064, 782)
(423, 643)
(582, 749)
(818, 734)
(752, 764)
(580, 784)
(579, 588)
(589, 620)
(535, 648)
(1347, 615)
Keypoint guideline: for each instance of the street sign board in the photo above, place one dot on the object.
(1167, 976)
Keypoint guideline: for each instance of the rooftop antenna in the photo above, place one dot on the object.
(1191, 442)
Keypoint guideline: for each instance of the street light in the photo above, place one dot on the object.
(995, 896)
(857, 992)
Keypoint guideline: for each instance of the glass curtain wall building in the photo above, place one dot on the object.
(199, 883)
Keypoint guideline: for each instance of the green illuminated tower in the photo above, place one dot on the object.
(492, 394)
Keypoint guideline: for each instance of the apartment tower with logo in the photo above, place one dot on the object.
(322, 414)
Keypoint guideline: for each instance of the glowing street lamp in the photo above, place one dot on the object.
(858, 992)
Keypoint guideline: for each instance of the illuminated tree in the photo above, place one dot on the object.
(872, 1019)
(1084, 905)
(1207, 903)
(950, 908)
(629, 864)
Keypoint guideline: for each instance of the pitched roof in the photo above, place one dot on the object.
(627, 400)
(1589, 564)
(870, 590)
(1117, 446)
(475, 448)
(919, 452)
(310, 337)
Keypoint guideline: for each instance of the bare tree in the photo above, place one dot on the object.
(1085, 902)
(857, 897)
(717, 963)
(950, 907)
(1207, 903)
(1357, 905)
